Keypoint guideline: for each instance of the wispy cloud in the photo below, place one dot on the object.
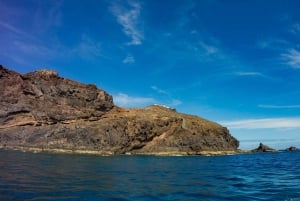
(48, 15)
(87, 48)
(31, 49)
(248, 73)
(205, 47)
(267, 123)
(15, 30)
(31, 52)
(129, 20)
(287, 53)
(273, 44)
(193, 32)
(158, 90)
(128, 59)
(125, 100)
(23, 47)
(279, 106)
(208, 49)
(26, 45)
(175, 102)
(169, 100)
(295, 28)
(292, 58)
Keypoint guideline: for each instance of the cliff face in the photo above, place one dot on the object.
(41, 110)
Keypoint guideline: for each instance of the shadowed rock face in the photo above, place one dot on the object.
(42, 110)
(264, 148)
(292, 148)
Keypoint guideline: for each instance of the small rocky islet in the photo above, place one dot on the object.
(41, 111)
(292, 148)
(263, 148)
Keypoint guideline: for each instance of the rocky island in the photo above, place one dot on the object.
(41, 111)
(263, 148)
(292, 148)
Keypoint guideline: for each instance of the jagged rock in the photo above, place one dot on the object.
(45, 98)
(43, 111)
(264, 148)
(292, 149)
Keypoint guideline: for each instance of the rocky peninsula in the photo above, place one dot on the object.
(41, 111)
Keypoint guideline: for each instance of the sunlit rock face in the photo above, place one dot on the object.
(43, 111)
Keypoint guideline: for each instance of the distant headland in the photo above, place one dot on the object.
(41, 111)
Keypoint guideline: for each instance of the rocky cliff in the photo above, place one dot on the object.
(42, 111)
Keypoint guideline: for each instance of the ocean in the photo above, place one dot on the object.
(44, 176)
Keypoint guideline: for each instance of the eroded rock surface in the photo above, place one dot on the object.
(44, 111)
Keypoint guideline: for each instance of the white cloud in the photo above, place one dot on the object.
(292, 58)
(128, 59)
(267, 123)
(125, 100)
(279, 106)
(129, 20)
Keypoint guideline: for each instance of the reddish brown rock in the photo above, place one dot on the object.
(43, 111)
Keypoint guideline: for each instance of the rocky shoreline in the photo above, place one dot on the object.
(109, 153)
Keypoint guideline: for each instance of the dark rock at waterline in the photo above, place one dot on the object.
(263, 148)
(43, 111)
(292, 148)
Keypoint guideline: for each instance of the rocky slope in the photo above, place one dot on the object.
(42, 111)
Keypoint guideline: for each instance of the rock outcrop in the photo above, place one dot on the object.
(263, 148)
(292, 148)
(42, 111)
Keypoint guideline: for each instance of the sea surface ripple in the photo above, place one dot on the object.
(39, 177)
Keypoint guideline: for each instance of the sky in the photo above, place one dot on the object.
(232, 62)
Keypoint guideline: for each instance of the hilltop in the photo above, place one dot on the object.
(41, 111)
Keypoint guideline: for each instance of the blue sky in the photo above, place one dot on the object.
(234, 62)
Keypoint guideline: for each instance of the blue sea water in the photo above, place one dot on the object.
(37, 177)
